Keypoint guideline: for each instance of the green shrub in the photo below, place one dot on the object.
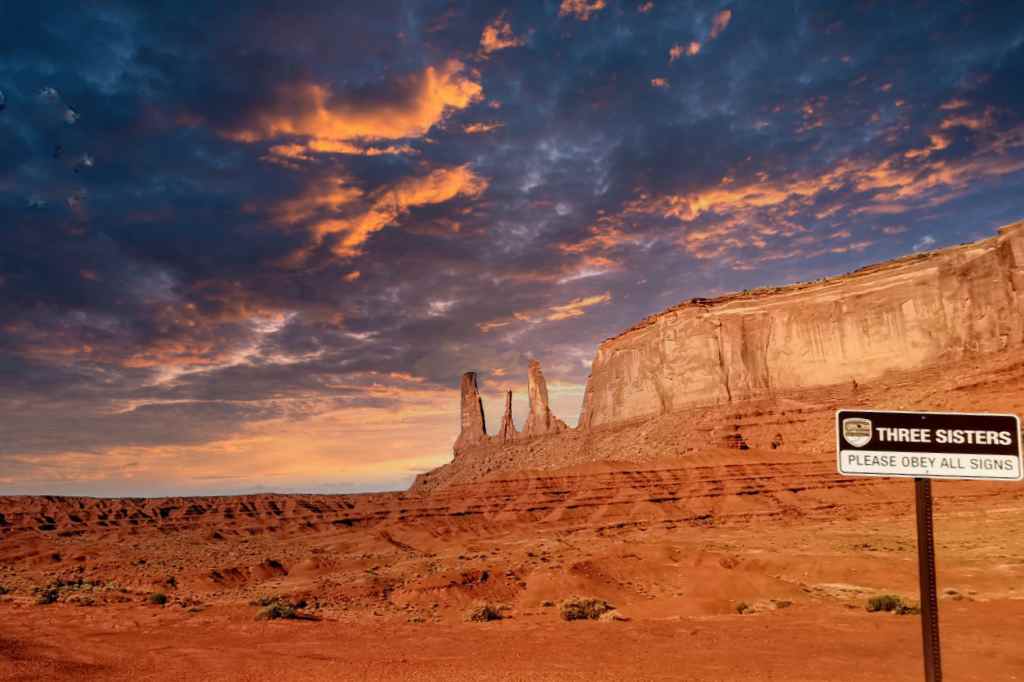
(482, 613)
(577, 608)
(158, 598)
(891, 603)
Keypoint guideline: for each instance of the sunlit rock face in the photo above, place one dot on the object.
(507, 433)
(474, 430)
(901, 315)
(540, 420)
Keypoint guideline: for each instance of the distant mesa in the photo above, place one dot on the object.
(903, 315)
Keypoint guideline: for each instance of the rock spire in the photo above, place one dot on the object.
(474, 429)
(507, 433)
(540, 420)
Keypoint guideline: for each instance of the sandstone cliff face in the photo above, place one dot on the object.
(901, 315)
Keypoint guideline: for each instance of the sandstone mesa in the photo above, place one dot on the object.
(903, 315)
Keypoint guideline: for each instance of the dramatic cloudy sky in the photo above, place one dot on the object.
(253, 247)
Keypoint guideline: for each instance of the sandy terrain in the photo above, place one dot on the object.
(680, 544)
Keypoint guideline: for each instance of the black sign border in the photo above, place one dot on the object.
(1020, 446)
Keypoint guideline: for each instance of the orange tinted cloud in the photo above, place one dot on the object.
(646, 7)
(498, 35)
(581, 9)
(970, 121)
(477, 128)
(740, 214)
(388, 206)
(937, 142)
(690, 49)
(576, 307)
(719, 23)
(604, 236)
(659, 83)
(331, 194)
(332, 122)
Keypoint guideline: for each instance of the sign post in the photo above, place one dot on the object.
(927, 445)
(926, 579)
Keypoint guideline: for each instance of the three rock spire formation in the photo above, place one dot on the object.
(540, 420)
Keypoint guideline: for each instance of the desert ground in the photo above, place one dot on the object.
(719, 563)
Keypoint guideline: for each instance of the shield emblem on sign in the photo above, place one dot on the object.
(857, 431)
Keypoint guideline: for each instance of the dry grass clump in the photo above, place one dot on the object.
(277, 608)
(580, 608)
(482, 613)
(892, 603)
(53, 592)
(158, 598)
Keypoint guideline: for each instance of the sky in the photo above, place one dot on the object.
(252, 246)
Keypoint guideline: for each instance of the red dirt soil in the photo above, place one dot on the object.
(677, 532)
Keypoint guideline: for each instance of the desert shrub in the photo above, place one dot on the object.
(744, 607)
(158, 598)
(52, 593)
(612, 616)
(577, 608)
(4, 590)
(278, 610)
(46, 595)
(482, 613)
(891, 603)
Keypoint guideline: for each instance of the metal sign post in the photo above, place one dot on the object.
(927, 445)
(926, 577)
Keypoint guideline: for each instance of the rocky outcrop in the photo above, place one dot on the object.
(507, 434)
(540, 420)
(902, 315)
(474, 429)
